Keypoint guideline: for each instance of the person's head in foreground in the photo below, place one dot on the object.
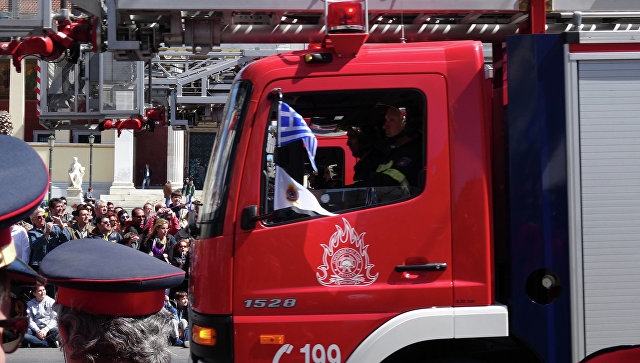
(110, 301)
(22, 164)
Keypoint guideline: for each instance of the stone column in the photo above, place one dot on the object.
(123, 163)
(16, 100)
(175, 157)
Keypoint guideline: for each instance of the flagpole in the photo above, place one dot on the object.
(279, 108)
(276, 96)
(288, 192)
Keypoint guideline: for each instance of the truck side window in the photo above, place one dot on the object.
(371, 151)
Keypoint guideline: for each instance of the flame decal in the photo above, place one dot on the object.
(345, 261)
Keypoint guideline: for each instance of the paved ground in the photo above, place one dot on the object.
(54, 355)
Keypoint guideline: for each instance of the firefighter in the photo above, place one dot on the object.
(362, 147)
(402, 163)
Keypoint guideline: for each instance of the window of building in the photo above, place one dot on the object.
(82, 137)
(41, 135)
(5, 72)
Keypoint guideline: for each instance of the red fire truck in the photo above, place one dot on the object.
(488, 256)
(377, 276)
(515, 241)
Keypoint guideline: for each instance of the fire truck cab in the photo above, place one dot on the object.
(393, 267)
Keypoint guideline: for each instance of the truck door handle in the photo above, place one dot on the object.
(436, 266)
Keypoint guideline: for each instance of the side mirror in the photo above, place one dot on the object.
(249, 217)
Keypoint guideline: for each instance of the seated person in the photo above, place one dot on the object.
(368, 156)
(182, 312)
(402, 164)
(174, 337)
(88, 196)
(43, 320)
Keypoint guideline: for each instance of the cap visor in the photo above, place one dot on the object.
(22, 274)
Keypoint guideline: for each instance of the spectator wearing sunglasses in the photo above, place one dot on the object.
(97, 318)
(115, 222)
(44, 237)
(117, 210)
(123, 216)
(22, 163)
(136, 223)
(104, 230)
(180, 259)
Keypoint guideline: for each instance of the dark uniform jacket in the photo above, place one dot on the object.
(401, 166)
(111, 237)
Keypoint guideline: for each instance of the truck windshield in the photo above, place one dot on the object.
(220, 168)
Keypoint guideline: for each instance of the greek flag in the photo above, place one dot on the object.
(292, 127)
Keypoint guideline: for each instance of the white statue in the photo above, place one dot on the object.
(76, 173)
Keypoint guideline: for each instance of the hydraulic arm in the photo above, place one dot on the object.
(156, 115)
(54, 43)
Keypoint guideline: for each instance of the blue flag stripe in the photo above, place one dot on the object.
(292, 127)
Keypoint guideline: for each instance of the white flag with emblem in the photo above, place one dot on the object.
(289, 193)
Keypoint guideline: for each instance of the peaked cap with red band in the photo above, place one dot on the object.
(23, 181)
(106, 278)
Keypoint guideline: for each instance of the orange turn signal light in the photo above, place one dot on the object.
(272, 339)
(204, 335)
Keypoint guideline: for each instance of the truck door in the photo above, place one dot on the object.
(316, 279)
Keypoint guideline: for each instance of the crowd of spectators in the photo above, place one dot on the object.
(155, 228)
